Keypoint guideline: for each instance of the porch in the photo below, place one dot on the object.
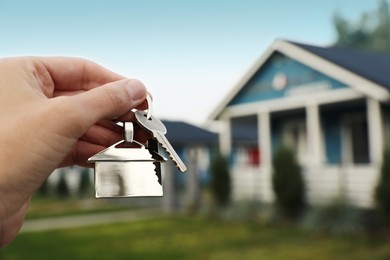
(338, 145)
(323, 183)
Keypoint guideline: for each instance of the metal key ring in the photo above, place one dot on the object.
(150, 106)
(128, 132)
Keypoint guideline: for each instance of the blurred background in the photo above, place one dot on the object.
(280, 110)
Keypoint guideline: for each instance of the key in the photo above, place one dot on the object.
(158, 130)
(153, 146)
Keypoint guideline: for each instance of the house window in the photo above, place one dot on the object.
(359, 141)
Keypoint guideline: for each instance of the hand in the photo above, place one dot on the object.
(54, 112)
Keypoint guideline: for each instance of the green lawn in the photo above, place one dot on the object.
(192, 238)
(43, 207)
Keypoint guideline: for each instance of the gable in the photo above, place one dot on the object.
(281, 76)
(320, 72)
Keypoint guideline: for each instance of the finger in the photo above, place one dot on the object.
(76, 73)
(111, 125)
(141, 135)
(101, 136)
(80, 154)
(143, 106)
(67, 92)
(110, 101)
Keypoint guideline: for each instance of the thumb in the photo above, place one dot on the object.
(111, 100)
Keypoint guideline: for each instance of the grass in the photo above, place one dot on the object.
(41, 207)
(192, 238)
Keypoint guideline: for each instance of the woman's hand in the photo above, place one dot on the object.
(54, 112)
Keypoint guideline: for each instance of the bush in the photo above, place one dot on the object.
(338, 217)
(288, 184)
(85, 183)
(220, 180)
(382, 192)
(244, 210)
(62, 188)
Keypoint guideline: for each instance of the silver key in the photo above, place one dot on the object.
(158, 130)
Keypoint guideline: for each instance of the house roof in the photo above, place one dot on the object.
(185, 134)
(371, 65)
(365, 72)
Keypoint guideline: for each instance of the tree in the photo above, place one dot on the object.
(85, 183)
(62, 186)
(220, 180)
(371, 31)
(382, 192)
(287, 183)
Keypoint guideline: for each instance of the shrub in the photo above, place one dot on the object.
(85, 182)
(338, 217)
(287, 184)
(245, 210)
(382, 192)
(62, 188)
(220, 180)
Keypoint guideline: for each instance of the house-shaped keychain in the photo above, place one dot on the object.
(127, 170)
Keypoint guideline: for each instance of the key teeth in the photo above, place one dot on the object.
(172, 158)
(158, 174)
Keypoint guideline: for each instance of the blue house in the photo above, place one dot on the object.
(331, 105)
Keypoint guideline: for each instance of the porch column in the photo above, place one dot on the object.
(169, 199)
(192, 181)
(264, 133)
(225, 137)
(314, 144)
(263, 180)
(375, 130)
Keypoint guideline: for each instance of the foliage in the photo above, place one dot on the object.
(220, 182)
(85, 183)
(288, 183)
(372, 31)
(244, 210)
(62, 189)
(338, 217)
(382, 192)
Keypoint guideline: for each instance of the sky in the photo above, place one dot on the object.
(189, 53)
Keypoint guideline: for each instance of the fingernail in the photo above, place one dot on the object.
(137, 90)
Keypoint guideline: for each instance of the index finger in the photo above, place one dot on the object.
(72, 74)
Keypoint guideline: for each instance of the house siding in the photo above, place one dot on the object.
(300, 79)
(356, 183)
